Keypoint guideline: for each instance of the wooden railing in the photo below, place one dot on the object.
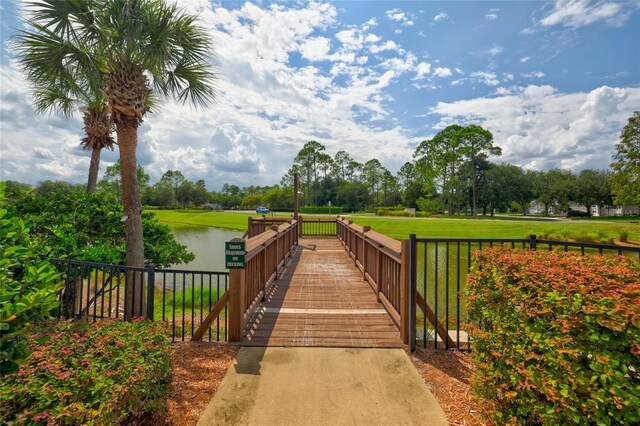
(384, 263)
(266, 253)
(257, 226)
(313, 226)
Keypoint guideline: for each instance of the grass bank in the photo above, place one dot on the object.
(600, 230)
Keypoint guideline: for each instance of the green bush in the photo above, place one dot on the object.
(558, 337)
(105, 373)
(321, 210)
(28, 288)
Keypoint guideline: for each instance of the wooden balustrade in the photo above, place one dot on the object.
(384, 263)
(266, 253)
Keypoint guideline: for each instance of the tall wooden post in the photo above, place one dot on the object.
(296, 202)
(405, 284)
(237, 289)
(236, 298)
(365, 229)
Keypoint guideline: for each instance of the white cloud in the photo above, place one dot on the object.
(495, 50)
(266, 109)
(397, 15)
(524, 59)
(316, 49)
(488, 78)
(387, 45)
(491, 16)
(372, 38)
(539, 127)
(534, 74)
(422, 69)
(440, 17)
(579, 13)
(442, 72)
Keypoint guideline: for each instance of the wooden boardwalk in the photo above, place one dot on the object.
(321, 299)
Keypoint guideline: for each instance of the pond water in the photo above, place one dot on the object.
(206, 243)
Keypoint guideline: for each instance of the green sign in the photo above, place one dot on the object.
(234, 252)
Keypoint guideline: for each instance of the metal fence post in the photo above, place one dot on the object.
(151, 284)
(533, 243)
(413, 267)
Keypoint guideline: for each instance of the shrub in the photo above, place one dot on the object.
(103, 373)
(28, 288)
(321, 210)
(558, 337)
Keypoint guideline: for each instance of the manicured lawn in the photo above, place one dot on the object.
(441, 227)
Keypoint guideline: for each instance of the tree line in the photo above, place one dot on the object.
(449, 174)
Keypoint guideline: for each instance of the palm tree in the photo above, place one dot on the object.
(98, 128)
(131, 51)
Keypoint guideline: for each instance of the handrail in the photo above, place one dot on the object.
(266, 254)
(384, 263)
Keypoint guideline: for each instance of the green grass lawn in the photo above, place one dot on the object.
(600, 230)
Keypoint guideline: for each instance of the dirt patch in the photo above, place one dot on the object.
(448, 376)
(198, 370)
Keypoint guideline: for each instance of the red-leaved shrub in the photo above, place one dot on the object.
(103, 373)
(557, 339)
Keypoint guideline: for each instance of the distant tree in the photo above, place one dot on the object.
(309, 158)
(591, 188)
(553, 188)
(476, 145)
(14, 190)
(625, 179)
(412, 185)
(112, 181)
(502, 185)
(341, 162)
(354, 171)
(199, 193)
(175, 178)
(438, 160)
(164, 194)
(184, 193)
(353, 196)
(372, 172)
(47, 187)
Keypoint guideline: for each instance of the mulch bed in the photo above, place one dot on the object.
(198, 370)
(447, 374)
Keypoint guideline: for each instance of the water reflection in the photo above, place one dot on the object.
(206, 243)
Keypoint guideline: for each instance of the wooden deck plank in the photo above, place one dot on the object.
(321, 299)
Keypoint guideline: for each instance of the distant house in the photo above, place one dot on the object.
(617, 211)
(536, 207)
(212, 206)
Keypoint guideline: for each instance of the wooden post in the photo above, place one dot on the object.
(249, 227)
(365, 229)
(237, 289)
(405, 283)
(378, 273)
(299, 226)
(296, 202)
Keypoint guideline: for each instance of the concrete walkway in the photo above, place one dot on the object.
(318, 386)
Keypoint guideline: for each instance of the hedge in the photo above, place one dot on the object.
(558, 337)
(105, 373)
(321, 210)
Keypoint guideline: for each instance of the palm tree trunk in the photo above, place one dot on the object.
(127, 143)
(94, 167)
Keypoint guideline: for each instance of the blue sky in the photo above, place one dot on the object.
(554, 81)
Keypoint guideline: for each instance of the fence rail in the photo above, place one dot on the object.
(384, 263)
(182, 298)
(441, 267)
(266, 254)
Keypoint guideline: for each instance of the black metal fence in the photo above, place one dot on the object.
(181, 298)
(441, 266)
